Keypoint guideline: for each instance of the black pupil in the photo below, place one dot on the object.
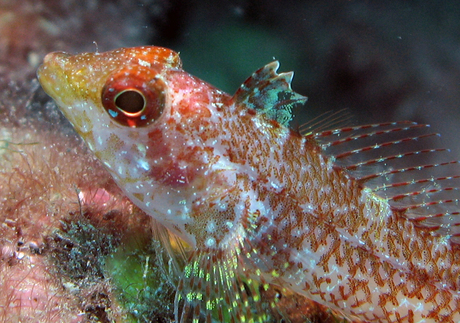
(130, 101)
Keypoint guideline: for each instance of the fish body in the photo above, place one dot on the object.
(350, 217)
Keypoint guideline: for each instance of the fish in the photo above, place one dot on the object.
(362, 219)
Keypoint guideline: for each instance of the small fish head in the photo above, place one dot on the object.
(77, 81)
(148, 121)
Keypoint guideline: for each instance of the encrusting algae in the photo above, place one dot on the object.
(351, 218)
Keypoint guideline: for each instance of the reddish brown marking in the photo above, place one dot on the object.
(171, 174)
(159, 147)
(194, 106)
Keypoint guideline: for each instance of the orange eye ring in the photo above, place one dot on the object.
(134, 97)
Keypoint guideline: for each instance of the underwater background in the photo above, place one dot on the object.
(383, 61)
(67, 252)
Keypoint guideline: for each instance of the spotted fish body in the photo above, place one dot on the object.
(351, 218)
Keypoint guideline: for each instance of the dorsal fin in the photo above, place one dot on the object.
(270, 93)
(326, 121)
(401, 162)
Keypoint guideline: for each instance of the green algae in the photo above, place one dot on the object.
(140, 281)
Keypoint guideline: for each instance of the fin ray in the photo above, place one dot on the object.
(402, 163)
(325, 121)
(211, 289)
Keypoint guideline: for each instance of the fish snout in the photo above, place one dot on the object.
(55, 58)
(52, 63)
(51, 75)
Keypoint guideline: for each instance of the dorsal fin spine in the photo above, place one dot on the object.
(385, 144)
(387, 158)
(326, 121)
(269, 93)
(368, 126)
(414, 193)
(407, 169)
(374, 133)
(414, 182)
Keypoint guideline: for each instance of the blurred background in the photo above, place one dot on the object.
(382, 60)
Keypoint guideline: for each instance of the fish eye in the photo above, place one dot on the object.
(133, 97)
(131, 102)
